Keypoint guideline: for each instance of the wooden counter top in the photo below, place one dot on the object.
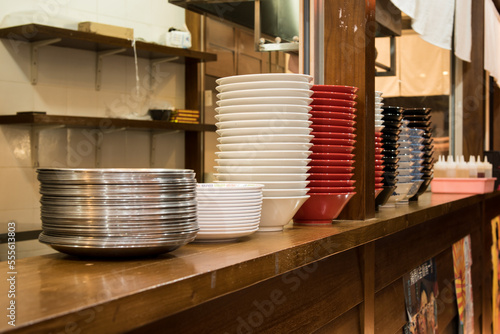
(58, 293)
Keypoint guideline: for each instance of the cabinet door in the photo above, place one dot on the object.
(249, 60)
(220, 39)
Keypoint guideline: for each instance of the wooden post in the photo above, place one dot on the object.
(350, 60)
(474, 88)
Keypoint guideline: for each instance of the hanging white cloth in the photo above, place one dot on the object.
(432, 19)
(463, 29)
(492, 40)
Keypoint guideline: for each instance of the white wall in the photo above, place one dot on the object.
(67, 87)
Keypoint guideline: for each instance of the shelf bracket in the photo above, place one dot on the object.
(34, 56)
(153, 63)
(98, 70)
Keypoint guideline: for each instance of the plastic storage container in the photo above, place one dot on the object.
(463, 185)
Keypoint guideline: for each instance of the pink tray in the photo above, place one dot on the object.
(462, 185)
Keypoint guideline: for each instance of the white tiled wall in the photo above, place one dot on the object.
(66, 86)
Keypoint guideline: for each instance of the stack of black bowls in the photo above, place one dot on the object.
(420, 118)
(392, 117)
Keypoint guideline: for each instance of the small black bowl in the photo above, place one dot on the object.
(390, 160)
(160, 114)
(414, 118)
(391, 125)
(428, 141)
(419, 124)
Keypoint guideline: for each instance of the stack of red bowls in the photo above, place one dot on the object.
(333, 123)
(379, 167)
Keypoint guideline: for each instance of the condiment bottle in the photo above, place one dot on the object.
(462, 168)
(480, 167)
(440, 167)
(472, 167)
(451, 167)
(488, 168)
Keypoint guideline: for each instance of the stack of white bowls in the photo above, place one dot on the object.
(264, 129)
(227, 212)
(378, 111)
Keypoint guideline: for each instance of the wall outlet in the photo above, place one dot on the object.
(208, 98)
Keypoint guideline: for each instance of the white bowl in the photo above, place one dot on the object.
(238, 94)
(266, 139)
(284, 192)
(262, 108)
(223, 228)
(228, 200)
(263, 131)
(400, 193)
(405, 165)
(283, 184)
(227, 187)
(378, 93)
(264, 154)
(378, 105)
(264, 77)
(402, 178)
(261, 177)
(248, 116)
(262, 169)
(404, 171)
(265, 147)
(263, 84)
(278, 211)
(263, 123)
(301, 101)
(262, 162)
(378, 99)
(222, 236)
(222, 216)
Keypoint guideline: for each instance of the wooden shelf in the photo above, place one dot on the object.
(93, 42)
(101, 122)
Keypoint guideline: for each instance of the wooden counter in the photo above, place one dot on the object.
(199, 287)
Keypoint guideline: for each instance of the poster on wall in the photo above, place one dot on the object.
(421, 291)
(462, 262)
(495, 258)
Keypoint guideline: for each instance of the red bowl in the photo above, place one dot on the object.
(378, 150)
(327, 162)
(324, 179)
(378, 144)
(334, 95)
(321, 209)
(331, 156)
(379, 162)
(333, 141)
(379, 168)
(332, 149)
(377, 156)
(379, 179)
(378, 191)
(378, 134)
(336, 135)
(322, 107)
(332, 128)
(335, 88)
(332, 114)
(379, 185)
(337, 183)
(331, 190)
(332, 121)
(379, 173)
(331, 169)
(334, 102)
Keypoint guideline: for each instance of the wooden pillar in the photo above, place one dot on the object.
(474, 87)
(367, 313)
(350, 60)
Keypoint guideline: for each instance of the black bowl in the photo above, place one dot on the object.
(413, 118)
(160, 114)
(419, 124)
(392, 117)
(390, 160)
(417, 111)
(391, 125)
(384, 195)
(390, 145)
(394, 109)
(390, 153)
(388, 131)
(428, 141)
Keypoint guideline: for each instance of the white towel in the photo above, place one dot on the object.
(463, 29)
(432, 19)
(492, 40)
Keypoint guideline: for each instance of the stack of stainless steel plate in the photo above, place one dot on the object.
(117, 212)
